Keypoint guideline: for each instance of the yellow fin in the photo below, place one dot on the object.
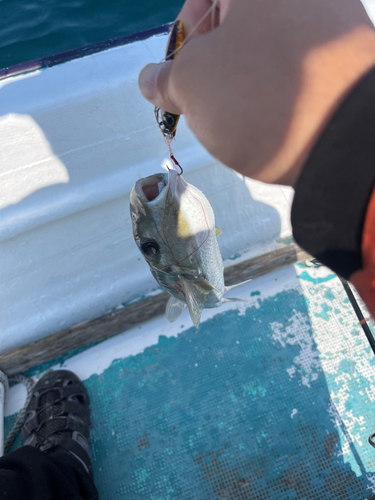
(218, 231)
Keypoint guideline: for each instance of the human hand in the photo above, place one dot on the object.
(258, 89)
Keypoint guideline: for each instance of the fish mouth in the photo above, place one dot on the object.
(152, 186)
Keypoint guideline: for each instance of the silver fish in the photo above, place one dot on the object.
(174, 228)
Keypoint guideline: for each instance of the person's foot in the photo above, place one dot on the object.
(58, 416)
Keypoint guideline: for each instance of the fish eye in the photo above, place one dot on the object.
(150, 248)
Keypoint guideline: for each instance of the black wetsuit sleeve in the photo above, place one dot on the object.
(336, 183)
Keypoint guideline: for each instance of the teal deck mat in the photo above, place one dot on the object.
(274, 402)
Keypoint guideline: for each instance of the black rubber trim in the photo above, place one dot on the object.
(69, 55)
(362, 321)
(335, 186)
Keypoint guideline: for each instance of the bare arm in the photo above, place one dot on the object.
(259, 88)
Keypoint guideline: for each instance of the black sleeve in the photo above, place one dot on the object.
(336, 182)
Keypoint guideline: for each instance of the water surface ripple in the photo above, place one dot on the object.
(30, 29)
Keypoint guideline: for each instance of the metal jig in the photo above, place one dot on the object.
(166, 121)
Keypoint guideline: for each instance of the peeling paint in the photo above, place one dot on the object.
(268, 400)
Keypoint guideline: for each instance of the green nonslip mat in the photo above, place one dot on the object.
(274, 398)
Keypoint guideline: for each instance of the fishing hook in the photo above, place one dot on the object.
(176, 163)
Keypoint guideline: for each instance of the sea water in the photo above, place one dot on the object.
(30, 29)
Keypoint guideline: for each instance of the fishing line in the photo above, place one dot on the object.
(175, 38)
(175, 163)
(167, 139)
(178, 262)
(316, 264)
(361, 319)
(353, 355)
(211, 9)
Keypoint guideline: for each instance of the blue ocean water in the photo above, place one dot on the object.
(31, 29)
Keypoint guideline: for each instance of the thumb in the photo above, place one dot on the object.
(154, 84)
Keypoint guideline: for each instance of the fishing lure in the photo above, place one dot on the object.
(166, 121)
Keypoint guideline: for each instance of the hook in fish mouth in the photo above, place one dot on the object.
(152, 186)
(177, 165)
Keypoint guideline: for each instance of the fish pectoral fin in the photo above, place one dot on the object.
(202, 283)
(196, 298)
(218, 231)
(174, 308)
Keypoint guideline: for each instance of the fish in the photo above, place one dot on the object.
(174, 229)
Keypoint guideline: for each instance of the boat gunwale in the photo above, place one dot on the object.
(86, 333)
(77, 53)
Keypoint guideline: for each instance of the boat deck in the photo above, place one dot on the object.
(271, 398)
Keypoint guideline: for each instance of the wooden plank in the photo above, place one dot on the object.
(264, 264)
(40, 351)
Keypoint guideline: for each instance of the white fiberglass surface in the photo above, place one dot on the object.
(73, 140)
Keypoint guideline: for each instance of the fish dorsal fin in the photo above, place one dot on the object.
(196, 298)
(174, 309)
(218, 231)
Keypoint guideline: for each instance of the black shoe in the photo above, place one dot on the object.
(58, 416)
